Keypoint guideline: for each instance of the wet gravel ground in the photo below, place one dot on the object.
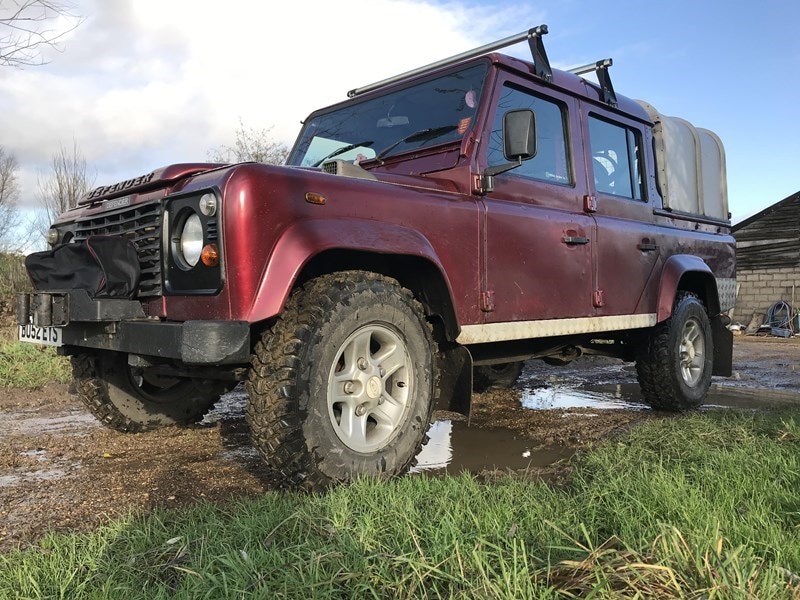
(62, 471)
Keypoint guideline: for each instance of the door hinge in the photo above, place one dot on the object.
(590, 203)
(487, 301)
(479, 185)
(597, 298)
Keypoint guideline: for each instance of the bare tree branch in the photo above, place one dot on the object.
(27, 27)
(67, 182)
(9, 194)
(251, 145)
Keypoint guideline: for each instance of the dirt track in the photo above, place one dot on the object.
(62, 471)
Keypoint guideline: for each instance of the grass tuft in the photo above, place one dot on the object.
(30, 366)
(672, 568)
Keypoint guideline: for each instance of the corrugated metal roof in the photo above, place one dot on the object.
(771, 238)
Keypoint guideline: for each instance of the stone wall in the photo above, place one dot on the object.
(761, 288)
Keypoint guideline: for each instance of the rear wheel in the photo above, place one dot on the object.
(132, 400)
(675, 363)
(496, 377)
(344, 383)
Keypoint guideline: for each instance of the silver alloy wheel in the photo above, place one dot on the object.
(369, 386)
(692, 352)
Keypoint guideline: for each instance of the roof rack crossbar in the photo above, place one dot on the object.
(607, 93)
(534, 36)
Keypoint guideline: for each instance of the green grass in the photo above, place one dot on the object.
(30, 366)
(699, 507)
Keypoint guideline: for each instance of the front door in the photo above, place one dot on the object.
(538, 241)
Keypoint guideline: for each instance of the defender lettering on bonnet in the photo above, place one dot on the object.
(441, 224)
(118, 187)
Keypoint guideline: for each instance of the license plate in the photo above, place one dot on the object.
(49, 336)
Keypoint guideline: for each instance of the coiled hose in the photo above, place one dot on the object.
(780, 316)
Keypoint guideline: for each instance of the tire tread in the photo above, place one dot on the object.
(93, 391)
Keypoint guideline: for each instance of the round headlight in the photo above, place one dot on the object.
(191, 241)
(52, 236)
(208, 205)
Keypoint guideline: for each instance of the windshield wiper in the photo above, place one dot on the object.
(342, 150)
(418, 136)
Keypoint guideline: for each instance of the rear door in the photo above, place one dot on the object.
(627, 242)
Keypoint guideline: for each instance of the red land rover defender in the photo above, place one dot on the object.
(470, 214)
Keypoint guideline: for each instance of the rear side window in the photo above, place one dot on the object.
(551, 162)
(615, 159)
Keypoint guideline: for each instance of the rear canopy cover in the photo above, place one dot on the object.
(691, 166)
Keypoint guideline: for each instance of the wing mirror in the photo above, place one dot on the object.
(519, 135)
(519, 143)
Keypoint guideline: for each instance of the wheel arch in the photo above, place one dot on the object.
(419, 274)
(319, 247)
(688, 273)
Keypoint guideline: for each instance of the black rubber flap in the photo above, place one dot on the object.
(104, 266)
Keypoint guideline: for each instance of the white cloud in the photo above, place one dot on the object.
(145, 83)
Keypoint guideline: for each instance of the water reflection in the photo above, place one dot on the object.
(609, 396)
(454, 448)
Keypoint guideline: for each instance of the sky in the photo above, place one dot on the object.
(140, 84)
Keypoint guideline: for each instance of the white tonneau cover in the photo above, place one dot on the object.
(691, 166)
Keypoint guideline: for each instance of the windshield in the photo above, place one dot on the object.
(436, 111)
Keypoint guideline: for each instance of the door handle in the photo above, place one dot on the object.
(646, 247)
(574, 240)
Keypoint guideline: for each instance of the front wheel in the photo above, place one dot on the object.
(344, 382)
(132, 400)
(675, 363)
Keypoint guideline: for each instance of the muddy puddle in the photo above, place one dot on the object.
(41, 475)
(26, 423)
(454, 447)
(228, 415)
(615, 396)
(627, 396)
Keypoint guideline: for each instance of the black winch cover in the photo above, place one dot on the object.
(105, 266)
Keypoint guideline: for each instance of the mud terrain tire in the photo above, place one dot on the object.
(675, 363)
(344, 382)
(496, 377)
(128, 401)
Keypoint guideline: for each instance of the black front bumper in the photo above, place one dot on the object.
(122, 326)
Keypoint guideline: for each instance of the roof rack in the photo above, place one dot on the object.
(541, 65)
(600, 67)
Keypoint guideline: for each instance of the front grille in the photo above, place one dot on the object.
(142, 225)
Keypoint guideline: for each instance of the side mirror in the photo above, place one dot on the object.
(519, 134)
(519, 143)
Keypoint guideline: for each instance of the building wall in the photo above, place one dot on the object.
(761, 288)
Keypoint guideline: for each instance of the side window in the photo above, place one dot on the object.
(615, 159)
(551, 162)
